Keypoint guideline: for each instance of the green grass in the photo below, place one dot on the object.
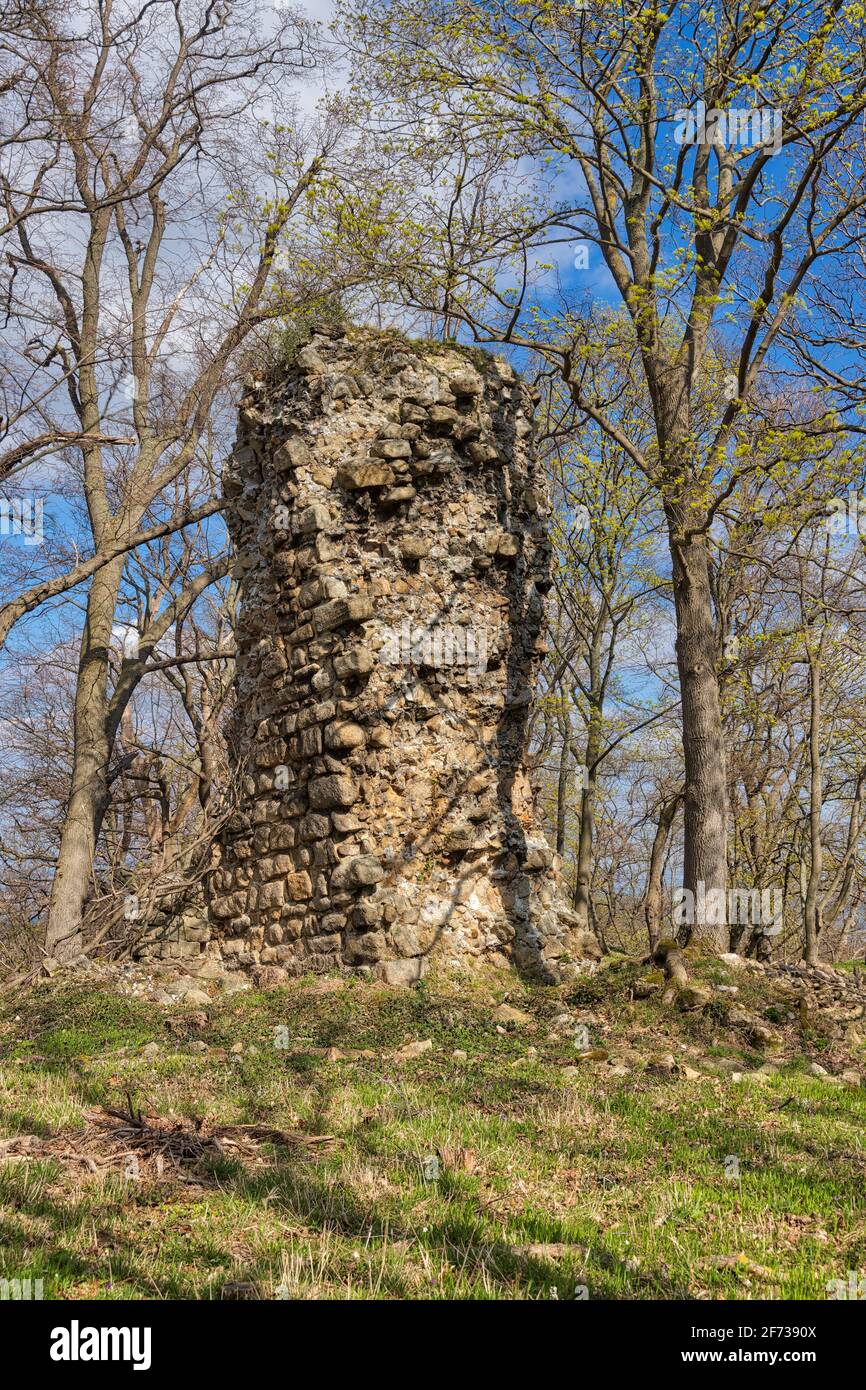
(70, 1022)
(548, 1184)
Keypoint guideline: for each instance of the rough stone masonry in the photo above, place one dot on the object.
(388, 519)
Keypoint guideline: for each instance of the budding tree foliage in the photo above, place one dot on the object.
(706, 211)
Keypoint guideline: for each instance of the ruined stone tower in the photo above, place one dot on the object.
(388, 520)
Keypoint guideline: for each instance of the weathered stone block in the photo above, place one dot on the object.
(403, 972)
(311, 519)
(341, 611)
(357, 662)
(270, 895)
(360, 871)
(344, 737)
(372, 946)
(294, 453)
(391, 449)
(360, 475)
(327, 792)
(298, 887)
(315, 827)
(321, 590)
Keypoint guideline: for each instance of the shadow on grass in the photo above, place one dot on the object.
(89, 1240)
(462, 1241)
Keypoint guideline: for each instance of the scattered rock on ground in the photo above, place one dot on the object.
(506, 1013)
(412, 1050)
(662, 1064)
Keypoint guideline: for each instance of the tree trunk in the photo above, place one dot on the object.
(705, 811)
(585, 845)
(653, 898)
(88, 796)
(811, 906)
(562, 787)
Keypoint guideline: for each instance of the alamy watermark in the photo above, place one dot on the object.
(749, 126)
(846, 515)
(21, 1289)
(853, 1287)
(718, 907)
(77, 1343)
(22, 516)
(446, 645)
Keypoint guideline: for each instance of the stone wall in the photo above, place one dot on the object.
(182, 937)
(388, 519)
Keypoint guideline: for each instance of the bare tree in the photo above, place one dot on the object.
(139, 259)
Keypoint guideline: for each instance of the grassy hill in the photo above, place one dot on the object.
(469, 1138)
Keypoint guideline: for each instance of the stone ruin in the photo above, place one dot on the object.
(387, 515)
